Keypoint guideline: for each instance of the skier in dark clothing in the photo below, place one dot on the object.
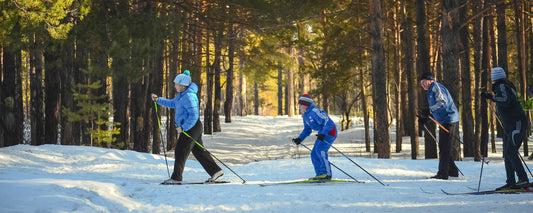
(187, 120)
(442, 109)
(514, 123)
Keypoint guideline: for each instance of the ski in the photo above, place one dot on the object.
(310, 182)
(197, 183)
(504, 191)
(427, 192)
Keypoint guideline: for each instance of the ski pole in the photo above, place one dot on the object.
(161, 134)
(481, 173)
(434, 138)
(243, 181)
(446, 130)
(334, 165)
(441, 126)
(518, 153)
(354, 162)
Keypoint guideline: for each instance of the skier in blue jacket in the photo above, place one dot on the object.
(442, 109)
(187, 120)
(316, 119)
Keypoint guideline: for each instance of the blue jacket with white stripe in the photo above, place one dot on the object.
(316, 119)
(441, 104)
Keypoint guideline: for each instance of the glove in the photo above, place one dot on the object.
(486, 95)
(320, 137)
(422, 116)
(422, 120)
(297, 141)
(155, 97)
(423, 113)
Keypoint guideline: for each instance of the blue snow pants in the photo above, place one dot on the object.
(319, 155)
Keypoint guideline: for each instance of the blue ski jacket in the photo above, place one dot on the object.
(186, 107)
(441, 104)
(316, 119)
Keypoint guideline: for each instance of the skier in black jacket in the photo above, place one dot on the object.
(514, 123)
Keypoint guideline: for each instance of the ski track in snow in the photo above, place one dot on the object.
(53, 178)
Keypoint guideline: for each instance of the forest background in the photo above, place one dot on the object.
(80, 72)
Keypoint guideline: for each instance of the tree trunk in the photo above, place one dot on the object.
(409, 51)
(423, 65)
(52, 92)
(228, 103)
(286, 99)
(366, 116)
(290, 87)
(139, 98)
(379, 78)
(450, 58)
(280, 91)
(256, 99)
(120, 105)
(197, 74)
(242, 91)
(81, 63)
(467, 117)
(502, 36)
(208, 112)
(67, 98)
(324, 80)
(478, 46)
(156, 85)
(36, 79)
(530, 70)
(290, 81)
(12, 116)
(522, 57)
(217, 67)
(3, 127)
(397, 41)
(486, 69)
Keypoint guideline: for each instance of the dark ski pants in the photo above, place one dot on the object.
(512, 140)
(184, 147)
(447, 165)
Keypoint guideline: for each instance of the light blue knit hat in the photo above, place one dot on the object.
(497, 73)
(183, 78)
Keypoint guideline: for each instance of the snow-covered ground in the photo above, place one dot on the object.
(53, 178)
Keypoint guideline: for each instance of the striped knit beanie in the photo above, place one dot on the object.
(305, 100)
(497, 74)
(183, 78)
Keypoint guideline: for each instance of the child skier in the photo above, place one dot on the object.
(316, 119)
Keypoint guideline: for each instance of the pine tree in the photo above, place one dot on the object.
(95, 113)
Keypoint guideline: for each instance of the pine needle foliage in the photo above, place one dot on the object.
(96, 113)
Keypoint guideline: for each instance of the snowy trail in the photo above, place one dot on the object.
(52, 178)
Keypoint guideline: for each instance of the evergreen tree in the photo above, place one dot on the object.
(96, 114)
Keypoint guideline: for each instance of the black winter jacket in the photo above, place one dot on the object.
(508, 106)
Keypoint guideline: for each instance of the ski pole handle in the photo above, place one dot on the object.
(446, 130)
(441, 126)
